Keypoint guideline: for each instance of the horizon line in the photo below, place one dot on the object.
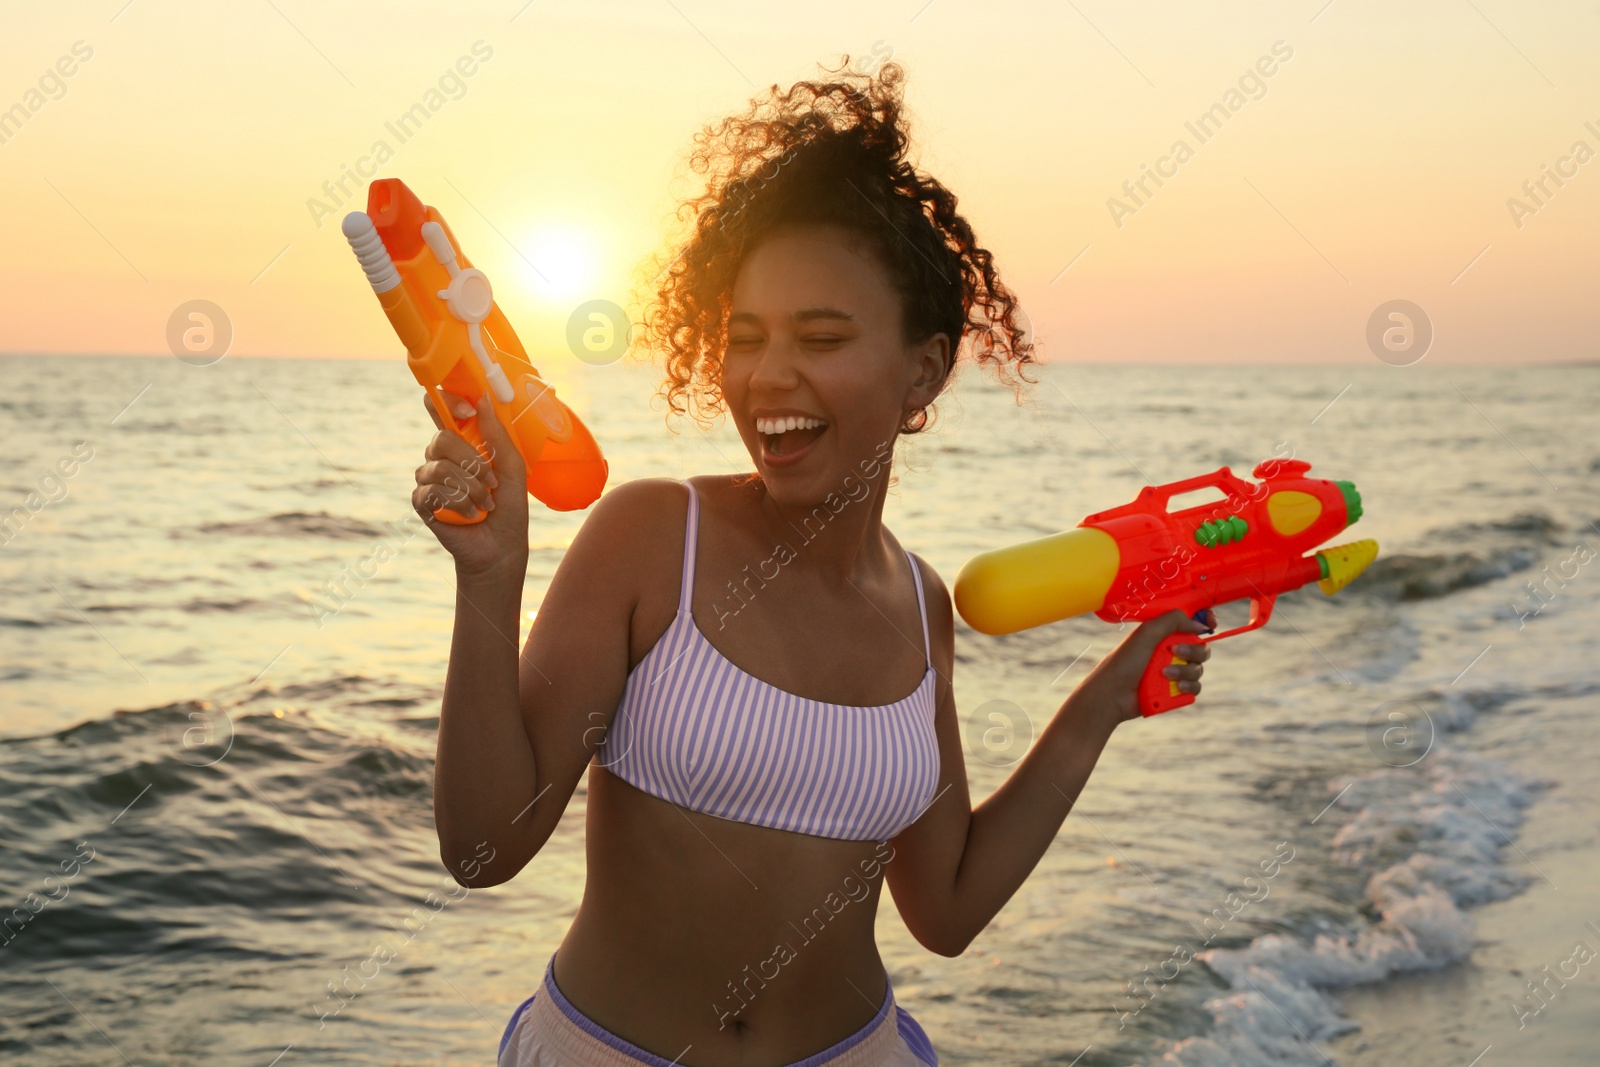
(1350, 362)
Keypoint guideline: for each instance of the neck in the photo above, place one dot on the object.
(839, 535)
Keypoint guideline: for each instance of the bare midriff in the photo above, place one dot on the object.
(741, 943)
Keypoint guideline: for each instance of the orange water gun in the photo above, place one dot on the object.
(1141, 560)
(457, 339)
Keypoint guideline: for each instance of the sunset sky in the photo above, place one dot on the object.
(186, 154)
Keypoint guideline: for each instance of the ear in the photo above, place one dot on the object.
(930, 365)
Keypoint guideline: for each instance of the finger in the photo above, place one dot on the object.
(433, 412)
(1183, 672)
(1145, 640)
(423, 502)
(458, 488)
(456, 484)
(480, 468)
(451, 447)
(1196, 653)
(434, 497)
(458, 405)
(498, 438)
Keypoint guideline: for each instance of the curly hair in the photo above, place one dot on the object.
(831, 151)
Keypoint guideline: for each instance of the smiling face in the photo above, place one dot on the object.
(818, 375)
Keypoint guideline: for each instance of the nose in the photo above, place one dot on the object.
(774, 370)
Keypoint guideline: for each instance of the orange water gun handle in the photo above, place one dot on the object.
(469, 431)
(539, 427)
(565, 469)
(1157, 692)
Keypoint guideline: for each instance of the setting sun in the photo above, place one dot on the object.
(556, 261)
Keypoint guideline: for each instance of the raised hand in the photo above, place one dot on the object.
(455, 475)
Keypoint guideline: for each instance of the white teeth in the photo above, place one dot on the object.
(787, 423)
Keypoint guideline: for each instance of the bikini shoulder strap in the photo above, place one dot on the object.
(690, 535)
(922, 607)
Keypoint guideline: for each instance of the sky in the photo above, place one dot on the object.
(194, 152)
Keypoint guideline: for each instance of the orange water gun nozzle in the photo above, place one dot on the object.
(458, 340)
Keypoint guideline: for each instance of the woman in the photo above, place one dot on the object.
(754, 671)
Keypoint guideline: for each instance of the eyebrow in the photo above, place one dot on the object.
(803, 315)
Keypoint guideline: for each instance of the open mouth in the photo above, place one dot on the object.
(789, 435)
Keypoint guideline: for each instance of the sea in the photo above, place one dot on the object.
(1371, 840)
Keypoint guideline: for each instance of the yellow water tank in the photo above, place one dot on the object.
(1037, 582)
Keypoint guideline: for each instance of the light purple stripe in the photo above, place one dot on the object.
(859, 791)
(817, 759)
(677, 750)
(730, 738)
(788, 808)
(724, 735)
(841, 774)
(757, 753)
(766, 802)
(890, 798)
(643, 753)
(744, 735)
(761, 754)
(710, 728)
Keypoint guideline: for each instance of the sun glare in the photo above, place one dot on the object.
(558, 261)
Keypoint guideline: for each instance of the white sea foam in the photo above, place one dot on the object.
(1430, 836)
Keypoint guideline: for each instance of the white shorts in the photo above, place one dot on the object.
(547, 1031)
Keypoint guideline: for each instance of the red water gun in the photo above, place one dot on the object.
(1141, 560)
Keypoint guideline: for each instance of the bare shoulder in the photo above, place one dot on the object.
(636, 514)
(629, 532)
(640, 502)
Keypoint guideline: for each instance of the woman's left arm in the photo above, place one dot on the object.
(956, 866)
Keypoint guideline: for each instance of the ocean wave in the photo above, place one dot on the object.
(1410, 577)
(1428, 840)
(213, 825)
(206, 605)
(1523, 525)
(291, 524)
(1487, 551)
(189, 426)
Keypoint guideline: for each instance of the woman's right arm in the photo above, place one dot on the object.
(516, 731)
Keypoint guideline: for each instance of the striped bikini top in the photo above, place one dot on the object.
(696, 730)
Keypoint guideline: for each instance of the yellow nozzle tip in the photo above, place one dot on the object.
(1346, 563)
